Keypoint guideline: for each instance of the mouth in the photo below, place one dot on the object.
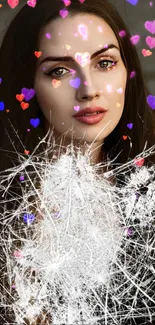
(87, 111)
(91, 119)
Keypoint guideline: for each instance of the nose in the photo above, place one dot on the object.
(87, 91)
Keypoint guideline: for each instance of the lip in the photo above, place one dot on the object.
(92, 119)
(90, 110)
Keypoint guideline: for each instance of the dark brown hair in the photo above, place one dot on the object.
(17, 70)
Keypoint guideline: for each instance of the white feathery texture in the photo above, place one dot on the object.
(87, 257)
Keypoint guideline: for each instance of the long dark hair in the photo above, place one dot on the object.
(17, 70)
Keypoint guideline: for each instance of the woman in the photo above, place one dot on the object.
(32, 89)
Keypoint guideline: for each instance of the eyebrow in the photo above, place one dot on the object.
(69, 58)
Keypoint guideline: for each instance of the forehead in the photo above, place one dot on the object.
(81, 32)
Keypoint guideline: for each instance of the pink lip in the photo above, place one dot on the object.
(92, 119)
(90, 110)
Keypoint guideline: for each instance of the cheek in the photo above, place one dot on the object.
(118, 88)
(48, 93)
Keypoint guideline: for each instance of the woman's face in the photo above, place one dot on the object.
(81, 82)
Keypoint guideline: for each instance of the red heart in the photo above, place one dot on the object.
(124, 137)
(20, 97)
(24, 105)
(26, 152)
(38, 54)
(139, 162)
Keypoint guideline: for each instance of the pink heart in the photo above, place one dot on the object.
(81, 1)
(63, 13)
(82, 58)
(135, 39)
(120, 90)
(150, 26)
(122, 33)
(146, 52)
(17, 254)
(139, 162)
(132, 74)
(31, 3)
(67, 2)
(13, 3)
(150, 41)
(76, 108)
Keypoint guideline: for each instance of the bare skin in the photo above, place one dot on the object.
(102, 83)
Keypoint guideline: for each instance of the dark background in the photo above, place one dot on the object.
(135, 18)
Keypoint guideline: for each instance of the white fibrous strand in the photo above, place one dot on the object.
(78, 246)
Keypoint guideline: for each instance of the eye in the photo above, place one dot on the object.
(53, 73)
(107, 64)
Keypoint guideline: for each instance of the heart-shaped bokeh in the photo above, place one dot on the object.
(63, 13)
(122, 33)
(28, 93)
(28, 218)
(130, 125)
(31, 3)
(1, 106)
(133, 2)
(67, 2)
(56, 83)
(76, 108)
(26, 152)
(75, 82)
(150, 41)
(150, 26)
(139, 162)
(35, 122)
(13, 3)
(38, 54)
(151, 101)
(132, 74)
(21, 178)
(24, 105)
(20, 97)
(146, 52)
(82, 58)
(18, 254)
(135, 39)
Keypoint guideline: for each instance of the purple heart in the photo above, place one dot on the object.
(133, 2)
(151, 101)
(130, 232)
(35, 122)
(28, 93)
(150, 26)
(21, 178)
(1, 106)
(0, 80)
(48, 35)
(150, 41)
(28, 218)
(75, 82)
(130, 126)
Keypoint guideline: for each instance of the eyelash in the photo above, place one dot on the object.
(114, 63)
